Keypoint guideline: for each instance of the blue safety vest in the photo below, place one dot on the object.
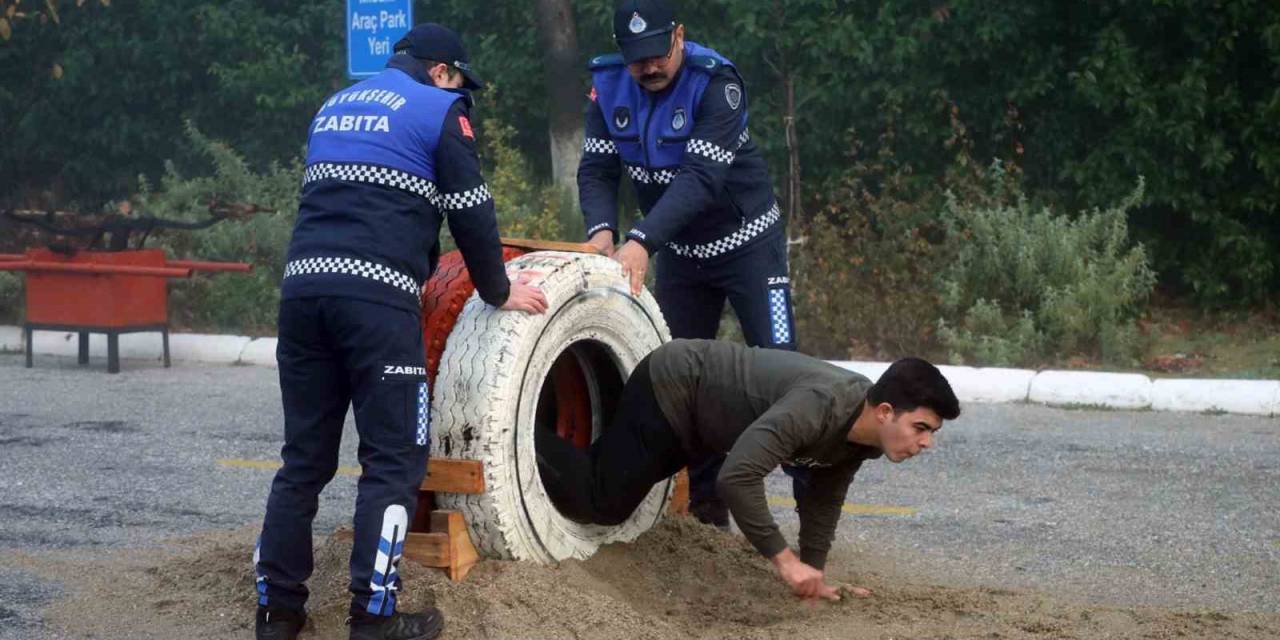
(651, 130)
(368, 215)
(389, 120)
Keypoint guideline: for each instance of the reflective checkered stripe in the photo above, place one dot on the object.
(644, 176)
(732, 241)
(371, 174)
(744, 138)
(260, 579)
(709, 150)
(780, 314)
(424, 415)
(385, 580)
(599, 145)
(353, 267)
(464, 199)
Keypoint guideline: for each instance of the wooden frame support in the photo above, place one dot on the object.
(448, 545)
(548, 245)
(446, 542)
(680, 494)
(449, 475)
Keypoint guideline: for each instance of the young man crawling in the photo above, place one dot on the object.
(690, 399)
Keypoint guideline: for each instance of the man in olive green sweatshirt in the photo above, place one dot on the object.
(690, 399)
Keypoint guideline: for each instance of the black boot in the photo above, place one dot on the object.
(278, 623)
(397, 626)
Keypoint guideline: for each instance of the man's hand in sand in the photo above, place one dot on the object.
(857, 592)
(805, 581)
(524, 296)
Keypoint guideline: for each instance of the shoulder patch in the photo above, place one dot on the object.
(605, 60)
(733, 95)
(466, 127)
(703, 62)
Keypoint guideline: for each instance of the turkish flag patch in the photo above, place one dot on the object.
(466, 127)
(592, 95)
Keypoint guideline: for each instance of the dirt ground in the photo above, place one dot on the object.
(681, 580)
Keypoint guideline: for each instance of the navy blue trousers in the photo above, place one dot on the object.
(756, 282)
(336, 353)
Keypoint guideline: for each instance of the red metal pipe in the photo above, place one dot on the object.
(99, 269)
(12, 256)
(200, 265)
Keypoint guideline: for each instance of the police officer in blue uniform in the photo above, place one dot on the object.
(388, 160)
(672, 115)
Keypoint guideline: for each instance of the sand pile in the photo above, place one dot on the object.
(681, 580)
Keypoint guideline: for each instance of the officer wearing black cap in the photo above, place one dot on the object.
(672, 114)
(388, 160)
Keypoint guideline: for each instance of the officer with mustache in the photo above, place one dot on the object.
(672, 115)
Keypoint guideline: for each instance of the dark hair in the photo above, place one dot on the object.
(450, 69)
(911, 383)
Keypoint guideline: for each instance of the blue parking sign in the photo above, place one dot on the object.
(373, 27)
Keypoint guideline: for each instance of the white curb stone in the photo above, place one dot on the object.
(260, 352)
(11, 339)
(145, 345)
(1112, 390)
(207, 348)
(988, 385)
(148, 345)
(872, 370)
(1250, 397)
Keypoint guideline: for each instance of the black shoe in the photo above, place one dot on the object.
(714, 513)
(398, 626)
(273, 623)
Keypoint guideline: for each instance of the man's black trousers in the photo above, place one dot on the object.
(692, 293)
(605, 484)
(336, 353)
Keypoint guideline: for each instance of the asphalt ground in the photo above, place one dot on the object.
(1131, 508)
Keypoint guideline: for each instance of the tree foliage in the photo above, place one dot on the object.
(1081, 97)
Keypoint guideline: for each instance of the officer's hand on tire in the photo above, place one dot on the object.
(603, 242)
(635, 262)
(524, 296)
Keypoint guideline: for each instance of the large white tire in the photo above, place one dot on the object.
(487, 394)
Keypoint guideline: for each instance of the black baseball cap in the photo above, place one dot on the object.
(642, 28)
(431, 41)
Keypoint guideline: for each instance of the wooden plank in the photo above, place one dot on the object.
(462, 553)
(680, 494)
(428, 549)
(448, 546)
(548, 245)
(448, 475)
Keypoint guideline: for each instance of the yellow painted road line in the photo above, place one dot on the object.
(776, 501)
(853, 509)
(272, 465)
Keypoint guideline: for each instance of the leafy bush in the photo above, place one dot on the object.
(864, 264)
(526, 206)
(10, 297)
(237, 302)
(1026, 284)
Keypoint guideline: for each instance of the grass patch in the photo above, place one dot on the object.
(1184, 342)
